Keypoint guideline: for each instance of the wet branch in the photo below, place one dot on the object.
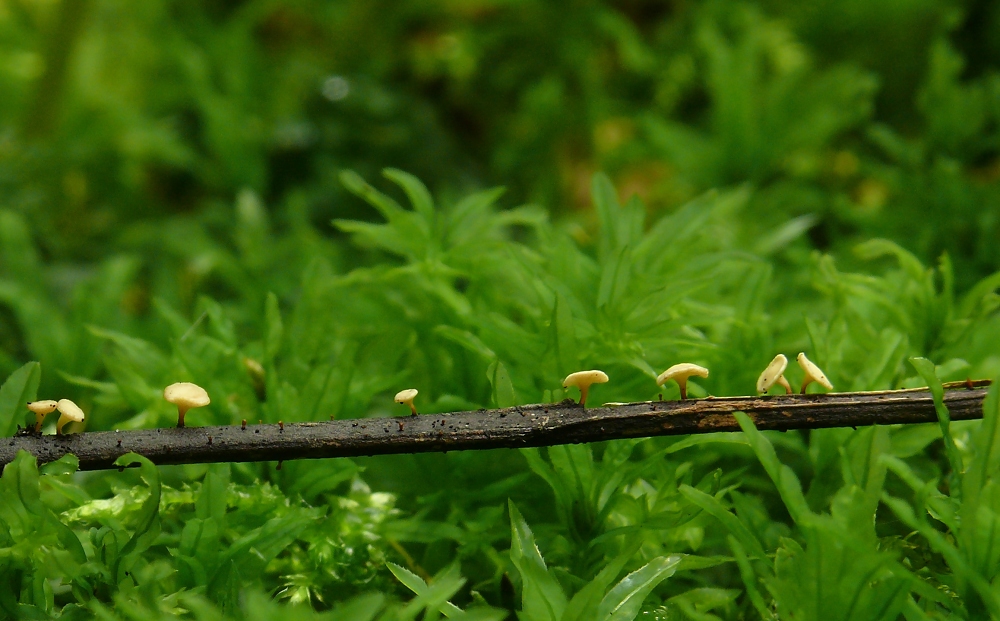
(522, 426)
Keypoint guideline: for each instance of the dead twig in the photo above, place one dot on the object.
(516, 427)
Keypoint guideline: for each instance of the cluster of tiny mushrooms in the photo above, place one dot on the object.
(186, 395)
(773, 374)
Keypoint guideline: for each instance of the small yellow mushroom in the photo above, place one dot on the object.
(680, 374)
(583, 380)
(774, 374)
(185, 396)
(406, 397)
(813, 373)
(40, 409)
(68, 412)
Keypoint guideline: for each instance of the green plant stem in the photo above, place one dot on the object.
(516, 427)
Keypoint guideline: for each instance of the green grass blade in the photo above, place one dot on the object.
(624, 601)
(20, 388)
(542, 598)
(782, 476)
(926, 370)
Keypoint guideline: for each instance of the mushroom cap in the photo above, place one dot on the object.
(43, 407)
(684, 369)
(406, 396)
(813, 372)
(772, 373)
(585, 378)
(69, 410)
(186, 394)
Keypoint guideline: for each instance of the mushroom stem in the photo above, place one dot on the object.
(62, 422)
(682, 383)
(39, 419)
(781, 381)
(583, 394)
(413, 409)
(181, 411)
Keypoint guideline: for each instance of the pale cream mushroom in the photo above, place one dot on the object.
(680, 374)
(813, 373)
(40, 409)
(68, 412)
(185, 396)
(406, 397)
(774, 374)
(583, 380)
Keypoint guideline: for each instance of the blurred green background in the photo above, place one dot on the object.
(184, 195)
(873, 118)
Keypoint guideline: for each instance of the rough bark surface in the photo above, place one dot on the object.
(521, 426)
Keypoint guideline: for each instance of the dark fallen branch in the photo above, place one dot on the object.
(529, 425)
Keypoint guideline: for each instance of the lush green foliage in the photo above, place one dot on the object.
(805, 182)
